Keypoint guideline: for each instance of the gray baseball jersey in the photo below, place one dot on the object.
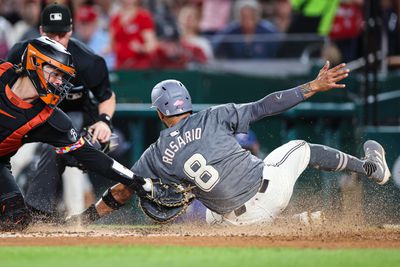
(201, 150)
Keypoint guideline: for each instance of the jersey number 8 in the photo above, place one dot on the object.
(205, 176)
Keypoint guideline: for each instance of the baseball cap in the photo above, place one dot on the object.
(86, 14)
(56, 18)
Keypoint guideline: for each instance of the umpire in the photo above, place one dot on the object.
(95, 113)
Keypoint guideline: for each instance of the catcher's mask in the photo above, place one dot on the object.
(42, 52)
(171, 98)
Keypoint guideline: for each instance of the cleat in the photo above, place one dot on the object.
(378, 170)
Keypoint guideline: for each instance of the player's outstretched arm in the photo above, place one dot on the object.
(281, 101)
(326, 80)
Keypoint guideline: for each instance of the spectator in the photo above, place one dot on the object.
(164, 18)
(390, 16)
(210, 23)
(9, 10)
(88, 31)
(241, 38)
(173, 51)
(347, 28)
(188, 20)
(282, 14)
(106, 9)
(133, 36)
(30, 14)
(177, 54)
(313, 16)
(6, 39)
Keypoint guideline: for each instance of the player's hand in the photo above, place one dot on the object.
(327, 79)
(100, 131)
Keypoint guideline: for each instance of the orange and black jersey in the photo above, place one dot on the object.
(17, 117)
(23, 122)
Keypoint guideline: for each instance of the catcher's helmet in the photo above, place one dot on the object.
(41, 52)
(171, 98)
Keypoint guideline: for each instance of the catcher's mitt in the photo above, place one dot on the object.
(161, 214)
(165, 202)
(168, 195)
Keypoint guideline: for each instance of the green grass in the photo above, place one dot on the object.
(126, 256)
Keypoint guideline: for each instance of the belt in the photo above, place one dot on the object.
(242, 209)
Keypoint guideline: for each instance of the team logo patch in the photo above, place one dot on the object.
(178, 102)
(55, 16)
(74, 134)
(174, 133)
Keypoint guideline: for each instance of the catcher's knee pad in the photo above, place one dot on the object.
(14, 215)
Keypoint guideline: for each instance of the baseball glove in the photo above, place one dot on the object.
(165, 202)
(168, 195)
(161, 214)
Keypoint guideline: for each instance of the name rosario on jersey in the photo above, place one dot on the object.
(180, 141)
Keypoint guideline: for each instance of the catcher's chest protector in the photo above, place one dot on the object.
(17, 117)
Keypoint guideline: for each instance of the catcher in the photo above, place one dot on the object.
(200, 151)
(29, 95)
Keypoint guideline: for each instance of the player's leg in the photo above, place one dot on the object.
(23, 157)
(76, 185)
(43, 192)
(373, 165)
(14, 214)
(282, 168)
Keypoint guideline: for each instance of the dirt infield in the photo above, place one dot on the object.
(189, 235)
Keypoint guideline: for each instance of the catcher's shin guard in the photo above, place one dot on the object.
(14, 215)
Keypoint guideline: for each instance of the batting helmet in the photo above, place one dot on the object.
(171, 98)
(44, 51)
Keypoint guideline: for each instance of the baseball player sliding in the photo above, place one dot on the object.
(200, 151)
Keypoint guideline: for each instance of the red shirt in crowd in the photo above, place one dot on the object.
(177, 55)
(348, 22)
(124, 34)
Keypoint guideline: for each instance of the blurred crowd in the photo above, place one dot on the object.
(142, 34)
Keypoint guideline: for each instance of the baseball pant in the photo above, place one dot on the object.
(14, 215)
(23, 157)
(75, 184)
(44, 190)
(282, 168)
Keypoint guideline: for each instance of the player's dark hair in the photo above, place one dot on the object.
(178, 115)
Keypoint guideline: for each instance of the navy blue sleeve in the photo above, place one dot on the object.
(237, 117)
(275, 103)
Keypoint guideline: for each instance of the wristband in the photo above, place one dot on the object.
(106, 119)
